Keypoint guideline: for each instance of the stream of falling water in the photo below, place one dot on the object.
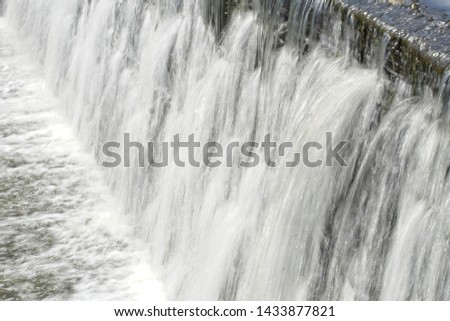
(376, 229)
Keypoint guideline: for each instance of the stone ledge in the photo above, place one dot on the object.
(418, 46)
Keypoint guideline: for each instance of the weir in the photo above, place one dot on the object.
(375, 229)
(416, 41)
(412, 41)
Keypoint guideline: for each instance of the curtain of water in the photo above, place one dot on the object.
(376, 229)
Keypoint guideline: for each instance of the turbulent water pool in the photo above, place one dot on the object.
(60, 236)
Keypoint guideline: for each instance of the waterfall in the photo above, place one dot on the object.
(375, 229)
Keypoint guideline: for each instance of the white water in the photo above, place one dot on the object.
(377, 229)
(60, 236)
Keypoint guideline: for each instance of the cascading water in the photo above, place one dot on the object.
(375, 229)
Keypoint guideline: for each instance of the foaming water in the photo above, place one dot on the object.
(60, 236)
(376, 229)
